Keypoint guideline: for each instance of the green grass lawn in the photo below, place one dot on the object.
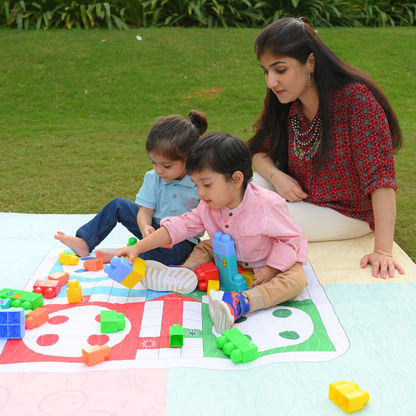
(76, 106)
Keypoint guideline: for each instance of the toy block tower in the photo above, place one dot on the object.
(226, 262)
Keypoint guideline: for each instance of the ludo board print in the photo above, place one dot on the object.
(305, 329)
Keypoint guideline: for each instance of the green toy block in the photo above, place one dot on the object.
(112, 321)
(132, 241)
(22, 299)
(175, 336)
(238, 346)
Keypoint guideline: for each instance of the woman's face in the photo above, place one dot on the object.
(286, 77)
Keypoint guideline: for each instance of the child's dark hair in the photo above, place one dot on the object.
(220, 153)
(173, 136)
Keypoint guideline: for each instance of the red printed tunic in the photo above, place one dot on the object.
(360, 155)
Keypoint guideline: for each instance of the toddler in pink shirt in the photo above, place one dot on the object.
(267, 240)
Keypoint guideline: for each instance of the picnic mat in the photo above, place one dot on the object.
(347, 325)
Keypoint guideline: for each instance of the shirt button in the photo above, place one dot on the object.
(174, 196)
(230, 214)
(226, 226)
(246, 264)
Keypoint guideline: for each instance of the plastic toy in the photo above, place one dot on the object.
(5, 303)
(176, 336)
(36, 318)
(22, 299)
(111, 321)
(247, 276)
(12, 323)
(348, 396)
(205, 273)
(95, 355)
(122, 272)
(48, 288)
(213, 285)
(68, 259)
(167, 246)
(74, 291)
(226, 262)
(238, 346)
(132, 241)
(61, 277)
(94, 265)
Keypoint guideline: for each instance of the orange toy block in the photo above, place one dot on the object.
(62, 277)
(94, 265)
(36, 318)
(74, 292)
(68, 259)
(95, 355)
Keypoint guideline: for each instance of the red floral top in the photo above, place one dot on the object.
(360, 155)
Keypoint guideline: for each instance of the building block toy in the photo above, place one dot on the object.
(5, 303)
(22, 299)
(226, 262)
(247, 276)
(175, 336)
(61, 277)
(48, 288)
(74, 291)
(213, 285)
(132, 241)
(238, 346)
(167, 246)
(124, 273)
(36, 318)
(205, 273)
(12, 323)
(95, 355)
(68, 259)
(94, 265)
(348, 396)
(111, 321)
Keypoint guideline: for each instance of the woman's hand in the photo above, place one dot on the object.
(263, 275)
(382, 263)
(287, 187)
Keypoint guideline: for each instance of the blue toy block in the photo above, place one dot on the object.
(223, 244)
(5, 303)
(12, 323)
(124, 273)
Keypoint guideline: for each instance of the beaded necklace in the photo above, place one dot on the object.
(312, 142)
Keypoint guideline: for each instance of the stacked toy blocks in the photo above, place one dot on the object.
(238, 346)
(22, 299)
(124, 273)
(111, 321)
(208, 277)
(12, 323)
(226, 262)
(348, 396)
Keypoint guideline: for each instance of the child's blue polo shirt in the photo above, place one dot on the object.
(168, 199)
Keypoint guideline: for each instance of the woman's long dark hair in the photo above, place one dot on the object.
(296, 39)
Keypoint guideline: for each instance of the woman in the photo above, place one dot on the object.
(325, 141)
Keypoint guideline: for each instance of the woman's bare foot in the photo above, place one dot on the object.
(106, 255)
(77, 244)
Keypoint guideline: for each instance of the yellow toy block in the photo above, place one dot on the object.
(74, 292)
(136, 275)
(348, 396)
(68, 259)
(213, 284)
(247, 276)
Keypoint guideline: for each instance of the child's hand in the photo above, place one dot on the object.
(131, 252)
(264, 275)
(147, 231)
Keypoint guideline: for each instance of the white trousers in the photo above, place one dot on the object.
(320, 223)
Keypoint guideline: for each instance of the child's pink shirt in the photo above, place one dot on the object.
(261, 227)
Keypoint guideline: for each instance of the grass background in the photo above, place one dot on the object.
(75, 106)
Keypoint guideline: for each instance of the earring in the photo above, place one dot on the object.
(309, 79)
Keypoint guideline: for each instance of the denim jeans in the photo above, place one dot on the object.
(125, 211)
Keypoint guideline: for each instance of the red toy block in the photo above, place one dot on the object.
(94, 265)
(62, 277)
(36, 318)
(95, 355)
(205, 273)
(48, 288)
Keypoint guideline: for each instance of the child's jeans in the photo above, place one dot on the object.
(283, 287)
(125, 211)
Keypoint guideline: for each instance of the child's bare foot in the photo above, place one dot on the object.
(77, 244)
(106, 255)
